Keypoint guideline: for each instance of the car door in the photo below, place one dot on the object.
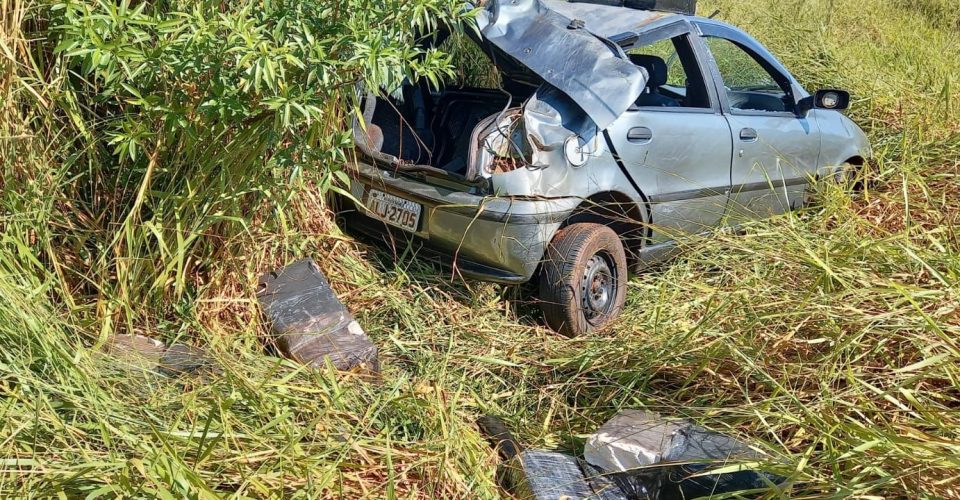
(775, 150)
(674, 143)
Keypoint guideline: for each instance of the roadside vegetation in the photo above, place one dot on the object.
(156, 157)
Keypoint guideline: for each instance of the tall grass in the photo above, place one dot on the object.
(156, 156)
(827, 337)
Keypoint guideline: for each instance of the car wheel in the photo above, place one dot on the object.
(848, 176)
(583, 280)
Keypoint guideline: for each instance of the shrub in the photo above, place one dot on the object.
(173, 124)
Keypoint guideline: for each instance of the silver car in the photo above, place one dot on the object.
(615, 133)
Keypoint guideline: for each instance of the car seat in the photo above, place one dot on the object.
(657, 71)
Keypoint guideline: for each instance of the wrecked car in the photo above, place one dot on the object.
(615, 132)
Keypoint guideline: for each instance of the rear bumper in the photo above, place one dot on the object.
(499, 239)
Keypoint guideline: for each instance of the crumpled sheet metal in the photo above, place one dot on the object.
(310, 323)
(579, 63)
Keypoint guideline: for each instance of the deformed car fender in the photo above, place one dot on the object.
(550, 120)
(841, 140)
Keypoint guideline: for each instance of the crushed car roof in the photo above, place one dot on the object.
(607, 20)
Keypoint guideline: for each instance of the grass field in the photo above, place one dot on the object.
(828, 336)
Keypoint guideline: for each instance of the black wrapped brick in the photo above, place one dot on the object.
(310, 323)
(548, 475)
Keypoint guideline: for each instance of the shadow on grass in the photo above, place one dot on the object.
(390, 255)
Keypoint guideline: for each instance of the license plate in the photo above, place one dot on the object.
(394, 210)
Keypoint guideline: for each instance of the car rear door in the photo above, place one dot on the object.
(675, 143)
(775, 151)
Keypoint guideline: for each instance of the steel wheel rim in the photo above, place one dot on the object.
(598, 286)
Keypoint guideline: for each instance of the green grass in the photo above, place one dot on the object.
(828, 337)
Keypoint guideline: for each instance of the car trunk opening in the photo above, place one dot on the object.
(434, 132)
(472, 133)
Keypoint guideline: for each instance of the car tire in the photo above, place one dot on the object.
(846, 176)
(583, 280)
(849, 175)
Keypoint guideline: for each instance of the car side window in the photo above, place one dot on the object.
(675, 79)
(748, 84)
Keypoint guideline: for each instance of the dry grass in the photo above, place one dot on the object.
(827, 337)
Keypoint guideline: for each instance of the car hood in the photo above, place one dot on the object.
(534, 36)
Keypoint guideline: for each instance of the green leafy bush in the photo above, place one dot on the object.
(183, 119)
(178, 71)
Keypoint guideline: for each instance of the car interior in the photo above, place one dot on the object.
(749, 85)
(674, 78)
(657, 76)
(421, 126)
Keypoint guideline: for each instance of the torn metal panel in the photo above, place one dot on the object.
(590, 69)
(551, 118)
(310, 322)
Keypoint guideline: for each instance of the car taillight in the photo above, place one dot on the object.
(503, 144)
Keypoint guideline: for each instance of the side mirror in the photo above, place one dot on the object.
(834, 99)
